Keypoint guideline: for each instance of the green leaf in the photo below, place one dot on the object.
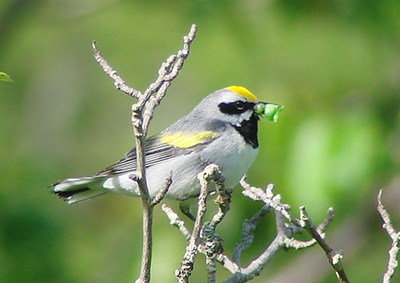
(5, 78)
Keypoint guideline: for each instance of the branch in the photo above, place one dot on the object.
(161, 194)
(295, 244)
(119, 83)
(182, 274)
(142, 112)
(247, 233)
(244, 274)
(283, 239)
(168, 71)
(266, 197)
(211, 244)
(335, 257)
(174, 220)
(394, 236)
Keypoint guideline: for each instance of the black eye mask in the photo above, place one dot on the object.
(237, 107)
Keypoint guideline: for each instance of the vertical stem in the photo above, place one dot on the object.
(147, 243)
(147, 214)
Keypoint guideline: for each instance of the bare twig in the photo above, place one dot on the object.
(142, 112)
(204, 238)
(394, 236)
(161, 194)
(168, 71)
(247, 233)
(298, 245)
(119, 83)
(257, 194)
(176, 221)
(335, 257)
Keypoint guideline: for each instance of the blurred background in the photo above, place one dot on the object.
(335, 65)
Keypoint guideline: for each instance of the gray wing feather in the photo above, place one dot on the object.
(156, 152)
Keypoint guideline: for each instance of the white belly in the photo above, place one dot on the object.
(233, 158)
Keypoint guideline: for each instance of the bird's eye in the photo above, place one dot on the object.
(235, 107)
(239, 105)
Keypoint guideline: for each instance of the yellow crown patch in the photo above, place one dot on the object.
(187, 140)
(243, 92)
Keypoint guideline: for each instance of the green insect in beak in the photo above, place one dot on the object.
(269, 110)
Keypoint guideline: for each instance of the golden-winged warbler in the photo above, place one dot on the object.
(221, 129)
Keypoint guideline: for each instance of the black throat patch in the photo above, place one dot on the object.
(248, 130)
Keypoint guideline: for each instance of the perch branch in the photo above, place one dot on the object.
(182, 274)
(142, 112)
(212, 244)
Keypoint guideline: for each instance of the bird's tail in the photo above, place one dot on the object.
(73, 190)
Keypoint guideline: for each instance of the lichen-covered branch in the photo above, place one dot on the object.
(286, 225)
(394, 236)
(211, 172)
(211, 244)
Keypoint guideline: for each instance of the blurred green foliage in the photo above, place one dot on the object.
(334, 65)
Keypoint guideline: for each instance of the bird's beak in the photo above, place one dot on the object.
(268, 110)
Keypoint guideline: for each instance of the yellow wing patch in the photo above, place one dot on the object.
(187, 140)
(243, 92)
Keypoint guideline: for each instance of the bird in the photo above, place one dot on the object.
(221, 129)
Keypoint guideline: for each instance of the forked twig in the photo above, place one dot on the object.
(142, 112)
